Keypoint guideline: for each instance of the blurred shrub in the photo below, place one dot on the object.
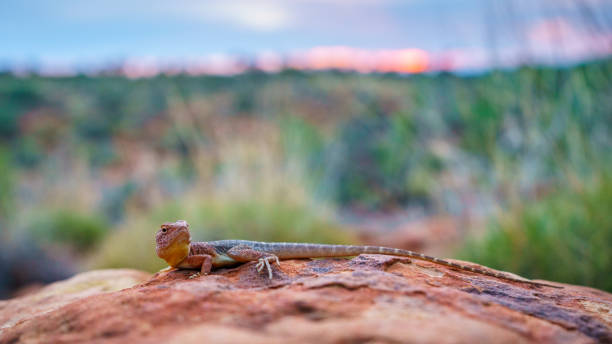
(303, 144)
(133, 245)
(94, 126)
(16, 97)
(9, 114)
(482, 117)
(80, 231)
(566, 237)
(378, 162)
(114, 200)
(7, 201)
(244, 99)
(28, 152)
(102, 153)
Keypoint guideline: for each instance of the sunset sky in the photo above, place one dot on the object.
(64, 32)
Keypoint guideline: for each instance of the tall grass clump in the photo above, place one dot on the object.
(565, 237)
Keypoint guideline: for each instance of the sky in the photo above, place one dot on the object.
(71, 32)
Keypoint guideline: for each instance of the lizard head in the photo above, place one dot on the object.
(172, 242)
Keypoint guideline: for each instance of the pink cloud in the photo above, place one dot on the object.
(563, 39)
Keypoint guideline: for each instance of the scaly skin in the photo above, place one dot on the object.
(173, 244)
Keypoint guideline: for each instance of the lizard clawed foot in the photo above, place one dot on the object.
(195, 275)
(265, 261)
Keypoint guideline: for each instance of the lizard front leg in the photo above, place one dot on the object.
(243, 253)
(202, 261)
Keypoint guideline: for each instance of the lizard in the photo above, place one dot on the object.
(174, 245)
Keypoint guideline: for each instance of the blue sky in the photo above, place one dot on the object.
(96, 31)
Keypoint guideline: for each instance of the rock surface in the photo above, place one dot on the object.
(369, 299)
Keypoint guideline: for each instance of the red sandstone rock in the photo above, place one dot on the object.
(370, 298)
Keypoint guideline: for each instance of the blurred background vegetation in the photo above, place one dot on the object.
(92, 165)
(494, 149)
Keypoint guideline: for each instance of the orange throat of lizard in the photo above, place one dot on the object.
(176, 251)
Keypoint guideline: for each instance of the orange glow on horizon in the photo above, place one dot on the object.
(361, 60)
(410, 61)
(403, 61)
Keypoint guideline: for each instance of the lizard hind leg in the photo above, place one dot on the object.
(243, 253)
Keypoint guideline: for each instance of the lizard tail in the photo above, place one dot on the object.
(420, 256)
(297, 250)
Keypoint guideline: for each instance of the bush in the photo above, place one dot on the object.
(7, 196)
(81, 231)
(16, 97)
(566, 237)
(27, 152)
(377, 161)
